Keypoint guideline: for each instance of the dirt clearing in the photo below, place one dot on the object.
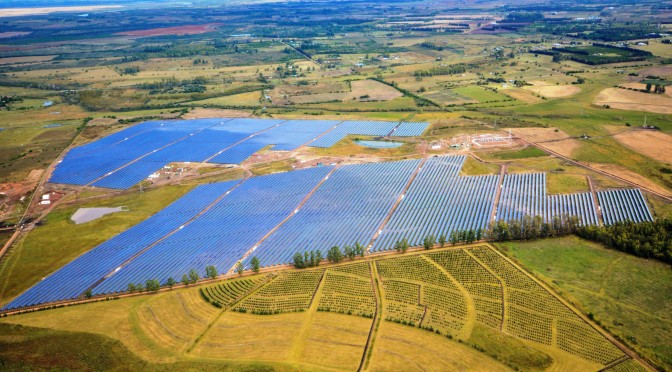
(630, 100)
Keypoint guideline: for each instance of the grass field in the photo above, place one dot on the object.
(446, 309)
(630, 296)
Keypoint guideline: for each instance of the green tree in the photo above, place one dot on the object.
(152, 285)
(318, 257)
(298, 260)
(648, 87)
(429, 242)
(359, 249)
(240, 269)
(442, 240)
(454, 237)
(185, 279)
(139, 287)
(131, 288)
(170, 282)
(334, 255)
(193, 276)
(211, 272)
(404, 245)
(256, 264)
(88, 293)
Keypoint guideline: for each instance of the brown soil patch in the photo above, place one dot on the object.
(634, 85)
(199, 113)
(630, 100)
(553, 91)
(559, 141)
(12, 60)
(178, 30)
(521, 95)
(375, 90)
(657, 71)
(654, 144)
(631, 176)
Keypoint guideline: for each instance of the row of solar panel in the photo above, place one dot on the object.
(217, 224)
(125, 158)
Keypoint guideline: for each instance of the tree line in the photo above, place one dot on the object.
(192, 277)
(643, 239)
(459, 68)
(334, 255)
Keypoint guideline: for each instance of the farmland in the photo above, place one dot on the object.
(452, 297)
(280, 166)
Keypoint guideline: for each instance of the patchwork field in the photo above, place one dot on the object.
(452, 308)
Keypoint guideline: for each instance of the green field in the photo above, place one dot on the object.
(462, 307)
(630, 296)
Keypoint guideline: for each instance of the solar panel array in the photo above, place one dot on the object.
(222, 235)
(522, 194)
(623, 205)
(348, 208)
(74, 278)
(438, 202)
(125, 158)
(579, 204)
(277, 215)
(406, 129)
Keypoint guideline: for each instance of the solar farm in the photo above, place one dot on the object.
(274, 216)
(123, 159)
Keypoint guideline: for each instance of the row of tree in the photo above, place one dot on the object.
(643, 239)
(442, 70)
(334, 255)
(153, 285)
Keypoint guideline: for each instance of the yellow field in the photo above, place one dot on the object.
(630, 100)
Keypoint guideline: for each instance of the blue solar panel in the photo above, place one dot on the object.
(623, 205)
(224, 140)
(409, 129)
(224, 233)
(438, 202)
(74, 278)
(349, 207)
